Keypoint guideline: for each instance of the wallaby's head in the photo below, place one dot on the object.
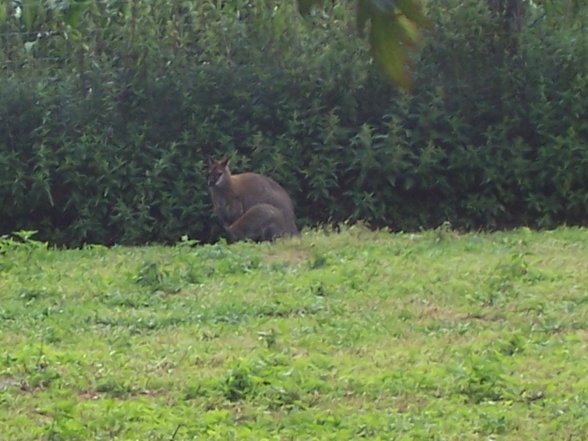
(218, 172)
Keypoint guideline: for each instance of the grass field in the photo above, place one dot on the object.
(351, 335)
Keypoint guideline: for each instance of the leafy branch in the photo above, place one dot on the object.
(395, 30)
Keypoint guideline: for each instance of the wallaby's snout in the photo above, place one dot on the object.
(212, 179)
(216, 170)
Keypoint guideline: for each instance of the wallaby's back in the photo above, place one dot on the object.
(253, 189)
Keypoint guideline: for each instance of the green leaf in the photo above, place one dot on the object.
(384, 6)
(31, 13)
(305, 6)
(413, 11)
(29, 45)
(73, 15)
(387, 40)
(363, 15)
(395, 31)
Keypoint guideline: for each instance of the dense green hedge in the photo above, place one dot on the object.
(104, 134)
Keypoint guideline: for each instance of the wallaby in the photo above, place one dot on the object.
(250, 205)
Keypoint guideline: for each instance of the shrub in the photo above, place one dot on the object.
(107, 115)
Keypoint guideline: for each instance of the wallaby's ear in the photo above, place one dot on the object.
(224, 162)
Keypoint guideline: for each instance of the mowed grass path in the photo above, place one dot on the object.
(351, 335)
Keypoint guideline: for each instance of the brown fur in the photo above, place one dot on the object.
(250, 205)
(261, 222)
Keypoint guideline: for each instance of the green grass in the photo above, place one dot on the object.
(351, 335)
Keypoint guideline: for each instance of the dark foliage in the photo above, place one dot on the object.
(107, 115)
